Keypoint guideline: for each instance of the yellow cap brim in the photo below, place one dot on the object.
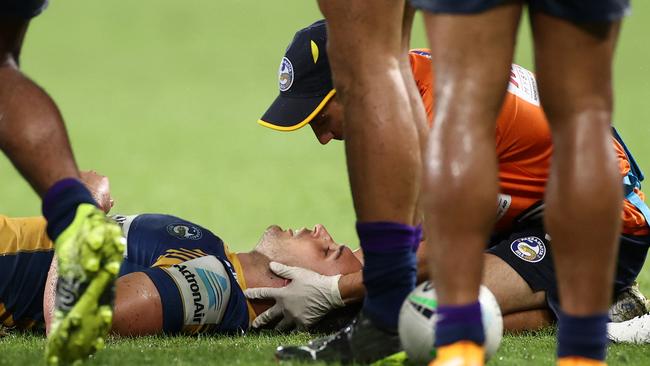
(306, 120)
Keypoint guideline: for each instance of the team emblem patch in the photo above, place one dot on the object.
(285, 74)
(531, 249)
(184, 231)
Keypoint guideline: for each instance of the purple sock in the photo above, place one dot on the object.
(389, 269)
(583, 336)
(459, 323)
(60, 204)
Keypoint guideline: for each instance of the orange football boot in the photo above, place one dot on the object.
(579, 361)
(462, 353)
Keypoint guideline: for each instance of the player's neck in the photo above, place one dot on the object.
(257, 274)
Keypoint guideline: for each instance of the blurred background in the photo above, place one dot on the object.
(163, 97)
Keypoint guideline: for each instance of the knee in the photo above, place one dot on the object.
(359, 66)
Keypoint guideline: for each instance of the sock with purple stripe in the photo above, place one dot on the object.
(582, 336)
(459, 323)
(389, 268)
(60, 204)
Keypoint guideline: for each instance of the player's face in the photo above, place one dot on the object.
(328, 124)
(313, 249)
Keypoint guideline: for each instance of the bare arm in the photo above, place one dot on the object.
(351, 285)
(138, 306)
(100, 188)
(49, 295)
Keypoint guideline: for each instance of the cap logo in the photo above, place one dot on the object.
(285, 74)
(314, 51)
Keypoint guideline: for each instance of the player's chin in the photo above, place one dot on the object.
(273, 229)
(271, 234)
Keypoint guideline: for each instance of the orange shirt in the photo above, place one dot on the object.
(523, 144)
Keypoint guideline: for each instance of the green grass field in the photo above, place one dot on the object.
(162, 96)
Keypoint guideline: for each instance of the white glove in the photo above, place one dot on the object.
(306, 299)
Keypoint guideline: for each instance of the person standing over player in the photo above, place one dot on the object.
(88, 247)
(472, 45)
(382, 104)
(524, 149)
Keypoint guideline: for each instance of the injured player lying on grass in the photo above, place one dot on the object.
(180, 278)
(176, 276)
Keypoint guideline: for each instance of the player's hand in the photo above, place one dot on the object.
(306, 299)
(99, 187)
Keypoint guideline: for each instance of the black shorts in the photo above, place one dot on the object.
(526, 249)
(574, 10)
(24, 9)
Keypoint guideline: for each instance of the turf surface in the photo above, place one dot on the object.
(532, 349)
(163, 97)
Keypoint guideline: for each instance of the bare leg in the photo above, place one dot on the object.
(460, 181)
(522, 308)
(527, 320)
(366, 47)
(511, 291)
(32, 133)
(384, 118)
(415, 99)
(584, 194)
(381, 138)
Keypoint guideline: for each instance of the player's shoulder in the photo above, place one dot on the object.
(23, 233)
(161, 224)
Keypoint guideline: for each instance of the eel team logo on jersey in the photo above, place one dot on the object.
(531, 249)
(285, 74)
(184, 231)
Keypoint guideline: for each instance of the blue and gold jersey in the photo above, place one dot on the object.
(199, 281)
(25, 257)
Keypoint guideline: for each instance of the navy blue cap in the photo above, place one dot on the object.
(305, 81)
